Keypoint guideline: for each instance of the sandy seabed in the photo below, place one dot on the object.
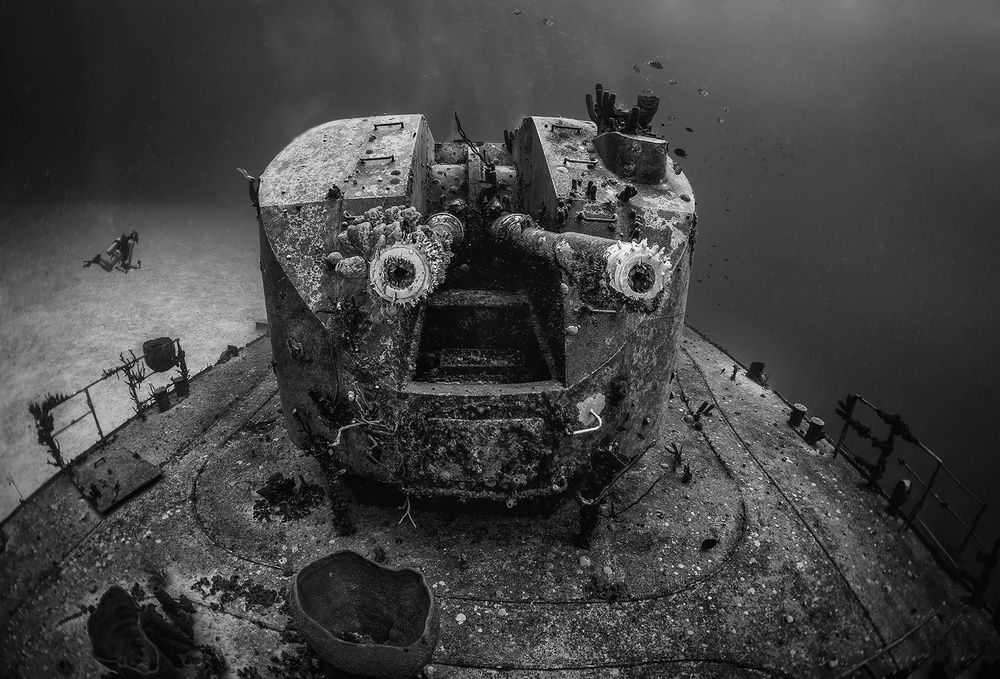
(62, 324)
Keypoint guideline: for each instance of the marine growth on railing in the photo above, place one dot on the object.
(940, 485)
(159, 355)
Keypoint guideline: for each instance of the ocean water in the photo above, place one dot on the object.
(845, 157)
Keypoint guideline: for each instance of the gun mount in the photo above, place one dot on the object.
(457, 356)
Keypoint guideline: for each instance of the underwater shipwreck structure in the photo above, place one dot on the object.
(480, 441)
(486, 351)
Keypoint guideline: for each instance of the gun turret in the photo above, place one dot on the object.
(484, 353)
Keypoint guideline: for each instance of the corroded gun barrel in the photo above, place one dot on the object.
(408, 270)
(636, 270)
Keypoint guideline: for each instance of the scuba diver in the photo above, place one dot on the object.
(119, 252)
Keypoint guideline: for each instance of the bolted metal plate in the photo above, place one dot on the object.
(107, 475)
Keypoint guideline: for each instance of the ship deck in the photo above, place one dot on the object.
(772, 560)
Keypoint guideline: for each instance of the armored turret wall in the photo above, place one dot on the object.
(326, 174)
(461, 359)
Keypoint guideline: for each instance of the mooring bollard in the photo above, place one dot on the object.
(162, 399)
(797, 415)
(899, 494)
(181, 386)
(815, 431)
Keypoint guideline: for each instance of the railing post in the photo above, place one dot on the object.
(972, 528)
(885, 449)
(989, 560)
(90, 404)
(923, 496)
(847, 414)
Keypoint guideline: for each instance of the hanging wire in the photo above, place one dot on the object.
(466, 139)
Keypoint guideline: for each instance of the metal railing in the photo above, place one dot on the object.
(133, 369)
(929, 487)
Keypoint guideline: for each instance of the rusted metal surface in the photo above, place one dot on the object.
(770, 560)
(473, 390)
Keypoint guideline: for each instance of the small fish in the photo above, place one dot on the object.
(725, 109)
(689, 129)
(654, 64)
(547, 21)
(680, 153)
(672, 81)
(702, 91)
(518, 12)
(721, 120)
(635, 67)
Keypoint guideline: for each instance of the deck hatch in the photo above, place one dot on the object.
(486, 338)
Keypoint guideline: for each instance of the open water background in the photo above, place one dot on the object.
(846, 158)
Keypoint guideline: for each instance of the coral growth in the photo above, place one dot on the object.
(280, 497)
